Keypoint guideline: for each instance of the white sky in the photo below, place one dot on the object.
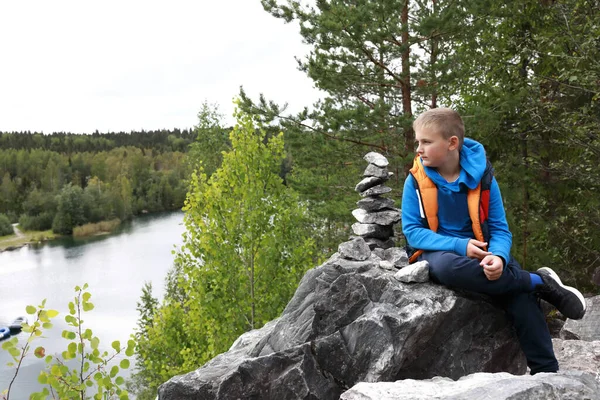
(78, 66)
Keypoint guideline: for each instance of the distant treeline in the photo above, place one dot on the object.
(64, 180)
(61, 142)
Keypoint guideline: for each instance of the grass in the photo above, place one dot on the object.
(94, 229)
(28, 237)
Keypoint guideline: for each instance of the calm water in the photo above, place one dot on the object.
(115, 267)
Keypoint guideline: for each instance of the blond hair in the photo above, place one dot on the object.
(447, 121)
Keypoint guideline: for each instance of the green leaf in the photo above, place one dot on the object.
(94, 343)
(8, 344)
(30, 309)
(72, 348)
(114, 371)
(43, 378)
(120, 380)
(55, 370)
(86, 296)
(88, 307)
(124, 364)
(116, 345)
(52, 313)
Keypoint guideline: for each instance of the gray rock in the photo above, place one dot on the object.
(587, 328)
(571, 385)
(385, 217)
(378, 243)
(376, 191)
(359, 214)
(375, 203)
(349, 322)
(578, 354)
(372, 230)
(397, 256)
(367, 183)
(355, 249)
(377, 172)
(417, 272)
(386, 265)
(376, 159)
(379, 252)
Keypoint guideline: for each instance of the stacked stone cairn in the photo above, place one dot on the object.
(374, 230)
(376, 214)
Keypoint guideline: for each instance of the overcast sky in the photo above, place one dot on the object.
(78, 66)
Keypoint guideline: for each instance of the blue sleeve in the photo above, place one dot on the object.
(416, 231)
(500, 236)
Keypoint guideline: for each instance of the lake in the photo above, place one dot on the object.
(115, 267)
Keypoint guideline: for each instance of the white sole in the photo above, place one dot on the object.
(569, 288)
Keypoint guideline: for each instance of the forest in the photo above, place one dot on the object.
(268, 199)
(60, 181)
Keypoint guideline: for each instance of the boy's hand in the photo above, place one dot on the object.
(474, 249)
(492, 267)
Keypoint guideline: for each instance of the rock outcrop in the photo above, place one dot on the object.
(568, 385)
(579, 378)
(352, 321)
(587, 328)
(578, 354)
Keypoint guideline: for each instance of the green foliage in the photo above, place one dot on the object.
(92, 374)
(211, 140)
(5, 226)
(70, 210)
(246, 247)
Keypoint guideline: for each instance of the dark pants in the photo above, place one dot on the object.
(512, 291)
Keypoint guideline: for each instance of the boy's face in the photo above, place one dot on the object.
(433, 148)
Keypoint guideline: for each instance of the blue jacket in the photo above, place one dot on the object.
(455, 228)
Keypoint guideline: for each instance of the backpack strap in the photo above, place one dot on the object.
(427, 195)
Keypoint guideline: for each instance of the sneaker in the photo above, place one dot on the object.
(568, 300)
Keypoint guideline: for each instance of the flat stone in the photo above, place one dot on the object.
(355, 249)
(587, 328)
(376, 159)
(375, 243)
(417, 272)
(384, 217)
(377, 172)
(368, 183)
(359, 214)
(375, 203)
(373, 230)
(376, 190)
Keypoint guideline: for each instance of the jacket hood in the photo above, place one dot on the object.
(472, 164)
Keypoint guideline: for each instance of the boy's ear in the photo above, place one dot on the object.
(453, 143)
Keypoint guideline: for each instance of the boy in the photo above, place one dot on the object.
(453, 217)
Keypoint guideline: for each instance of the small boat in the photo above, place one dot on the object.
(17, 325)
(4, 332)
